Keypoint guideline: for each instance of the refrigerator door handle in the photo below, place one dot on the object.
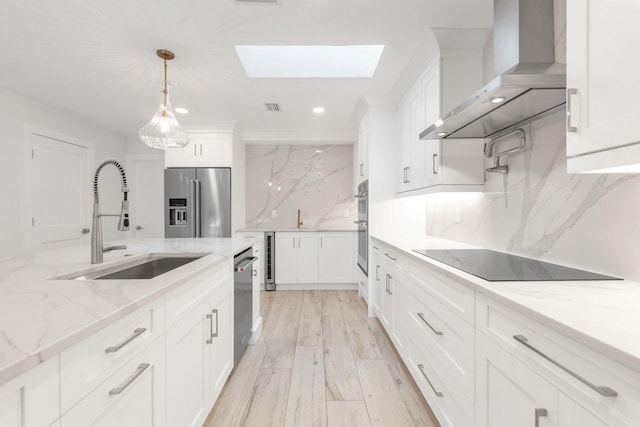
(192, 220)
(197, 222)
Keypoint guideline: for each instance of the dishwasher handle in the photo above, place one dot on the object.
(241, 266)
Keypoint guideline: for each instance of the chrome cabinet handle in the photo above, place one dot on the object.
(540, 412)
(136, 333)
(375, 247)
(86, 230)
(421, 316)
(433, 163)
(438, 393)
(298, 242)
(602, 390)
(200, 150)
(390, 277)
(386, 286)
(570, 93)
(361, 169)
(139, 227)
(195, 153)
(377, 271)
(255, 273)
(390, 257)
(210, 317)
(321, 243)
(215, 311)
(141, 368)
(408, 168)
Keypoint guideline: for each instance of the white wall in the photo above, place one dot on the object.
(17, 113)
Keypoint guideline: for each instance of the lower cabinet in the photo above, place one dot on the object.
(311, 257)
(199, 358)
(31, 399)
(132, 397)
(511, 394)
(508, 393)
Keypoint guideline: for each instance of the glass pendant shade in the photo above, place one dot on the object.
(163, 130)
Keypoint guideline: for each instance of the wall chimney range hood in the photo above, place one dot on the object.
(529, 86)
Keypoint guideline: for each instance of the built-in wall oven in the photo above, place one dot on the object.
(363, 225)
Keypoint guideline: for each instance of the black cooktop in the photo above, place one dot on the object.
(500, 267)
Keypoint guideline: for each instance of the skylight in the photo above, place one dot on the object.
(310, 61)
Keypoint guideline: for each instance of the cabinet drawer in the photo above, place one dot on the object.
(87, 364)
(455, 296)
(449, 405)
(450, 339)
(132, 397)
(395, 260)
(561, 361)
(190, 293)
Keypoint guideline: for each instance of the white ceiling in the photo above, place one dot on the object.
(97, 59)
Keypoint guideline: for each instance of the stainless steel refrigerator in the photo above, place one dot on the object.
(197, 202)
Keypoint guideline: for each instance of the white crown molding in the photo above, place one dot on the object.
(255, 136)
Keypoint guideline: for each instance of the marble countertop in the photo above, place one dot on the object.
(303, 229)
(40, 317)
(599, 314)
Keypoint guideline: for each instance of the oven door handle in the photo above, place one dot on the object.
(242, 265)
(361, 222)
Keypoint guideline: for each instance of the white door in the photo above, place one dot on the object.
(307, 258)
(336, 258)
(286, 258)
(147, 195)
(60, 189)
(508, 393)
(602, 37)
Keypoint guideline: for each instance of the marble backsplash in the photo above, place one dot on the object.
(588, 221)
(318, 180)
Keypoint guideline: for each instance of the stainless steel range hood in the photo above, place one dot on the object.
(530, 84)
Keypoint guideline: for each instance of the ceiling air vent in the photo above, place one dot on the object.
(273, 107)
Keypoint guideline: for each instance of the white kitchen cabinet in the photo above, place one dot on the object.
(336, 257)
(362, 151)
(203, 150)
(296, 257)
(602, 82)
(199, 357)
(33, 398)
(132, 397)
(508, 393)
(433, 164)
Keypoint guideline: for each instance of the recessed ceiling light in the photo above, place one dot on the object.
(181, 110)
(441, 134)
(318, 110)
(309, 61)
(498, 99)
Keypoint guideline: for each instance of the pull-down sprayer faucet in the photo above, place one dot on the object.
(123, 224)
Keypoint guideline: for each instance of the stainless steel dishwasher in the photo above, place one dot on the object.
(243, 298)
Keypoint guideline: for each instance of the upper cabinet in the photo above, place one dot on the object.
(602, 86)
(434, 164)
(362, 149)
(203, 150)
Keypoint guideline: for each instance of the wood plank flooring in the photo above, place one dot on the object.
(320, 361)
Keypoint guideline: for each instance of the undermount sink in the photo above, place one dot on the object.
(145, 268)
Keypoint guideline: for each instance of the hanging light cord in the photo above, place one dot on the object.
(164, 91)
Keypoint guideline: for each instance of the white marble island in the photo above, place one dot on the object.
(41, 318)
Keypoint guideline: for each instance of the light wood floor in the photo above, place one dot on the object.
(320, 362)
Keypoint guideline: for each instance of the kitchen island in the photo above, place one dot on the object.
(49, 328)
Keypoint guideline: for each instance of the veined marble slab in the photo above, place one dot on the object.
(40, 317)
(599, 314)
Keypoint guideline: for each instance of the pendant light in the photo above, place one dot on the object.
(163, 130)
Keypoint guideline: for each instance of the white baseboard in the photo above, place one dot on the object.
(316, 287)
